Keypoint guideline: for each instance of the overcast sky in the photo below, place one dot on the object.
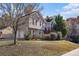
(65, 9)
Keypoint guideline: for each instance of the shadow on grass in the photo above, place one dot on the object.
(12, 44)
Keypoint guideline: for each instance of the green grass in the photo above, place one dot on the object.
(36, 48)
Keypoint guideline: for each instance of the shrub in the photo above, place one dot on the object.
(47, 38)
(64, 32)
(53, 36)
(27, 36)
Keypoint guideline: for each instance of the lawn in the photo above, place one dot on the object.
(36, 48)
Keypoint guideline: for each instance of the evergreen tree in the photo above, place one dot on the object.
(60, 25)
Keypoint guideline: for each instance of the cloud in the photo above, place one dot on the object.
(71, 6)
(69, 10)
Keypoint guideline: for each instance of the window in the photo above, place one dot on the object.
(32, 20)
(40, 23)
(36, 22)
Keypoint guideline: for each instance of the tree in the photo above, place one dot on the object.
(60, 25)
(15, 11)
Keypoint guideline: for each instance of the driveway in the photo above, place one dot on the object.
(72, 53)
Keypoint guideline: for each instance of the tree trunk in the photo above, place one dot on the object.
(15, 32)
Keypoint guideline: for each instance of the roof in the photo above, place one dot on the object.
(3, 27)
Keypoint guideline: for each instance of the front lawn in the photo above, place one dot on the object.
(36, 48)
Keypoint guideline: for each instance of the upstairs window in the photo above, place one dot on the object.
(32, 20)
(36, 22)
(40, 23)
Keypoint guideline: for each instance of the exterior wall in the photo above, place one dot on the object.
(36, 25)
(36, 33)
(36, 21)
(20, 34)
(23, 29)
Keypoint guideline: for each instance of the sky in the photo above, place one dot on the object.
(67, 10)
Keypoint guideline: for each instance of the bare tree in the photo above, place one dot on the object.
(16, 11)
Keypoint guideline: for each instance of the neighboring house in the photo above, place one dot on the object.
(33, 24)
(73, 26)
(6, 32)
(49, 25)
(68, 26)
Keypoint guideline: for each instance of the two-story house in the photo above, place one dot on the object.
(34, 24)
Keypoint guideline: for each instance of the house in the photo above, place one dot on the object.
(49, 27)
(73, 26)
(34, 24)
(6, 32)
(49, 24)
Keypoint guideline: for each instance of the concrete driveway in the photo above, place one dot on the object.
(72, 53)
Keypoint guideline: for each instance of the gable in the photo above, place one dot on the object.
(37, 16)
